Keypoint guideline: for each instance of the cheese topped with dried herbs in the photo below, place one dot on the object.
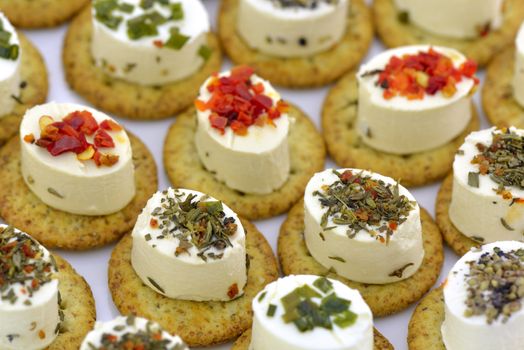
(484, 296)
(310, 312)
(131, 333)
(9, 66)
(76, 159)
(518, 72)
(353, 216)
(461, 19)
(487, 202)
(150, 42)
(29, 298)
(188, 245)
(292, 28)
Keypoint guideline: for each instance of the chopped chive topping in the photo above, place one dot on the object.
(144, 25)
(204, 52)
(125, 7)
(7, 51)
(345, 319)
(177, 12)
(177, 40)
(262, 296)
(104, 13)
(323, 284)
(271, 310)
(146, 4)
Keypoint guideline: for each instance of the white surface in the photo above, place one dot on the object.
(93, 264)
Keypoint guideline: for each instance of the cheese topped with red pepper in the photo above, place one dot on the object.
(414, 98)
(149, 42)
(292, 28)
(76, 159)
(10, 56)
(30, 315)
(461, 19)
(242, 131)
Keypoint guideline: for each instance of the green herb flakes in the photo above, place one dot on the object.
(177, 40)
(323, 284)
(473, 179)
(177, 12)
(205, 52)
(271, 310)
(7, 51)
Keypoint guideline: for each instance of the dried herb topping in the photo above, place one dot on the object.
(362, 203)
(8, 50)
(427, 72)
(495, 285)
(238, 103)
(307, 4)
(195, 222)
(23, 266)
(71, 134)
(308, 308)
(502, 160)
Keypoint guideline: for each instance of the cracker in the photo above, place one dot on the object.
(34, 86)
(395, 33)
(460, 243)
(40, 13)
(339, 119)
(383, 300)
(79, 308)
(57, 229)
(185, 170)
(122, 98)
(502, 109)
(198, 323)
(302, 72)
(381, 343)
(424, 326)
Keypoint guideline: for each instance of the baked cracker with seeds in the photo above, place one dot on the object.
(383, 300)
(424, 326)
(40, 13)
(300, 72)
(197, 323)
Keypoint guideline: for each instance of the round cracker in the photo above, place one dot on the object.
(424, 326)
(302, 72)
(40, 13)
(184, 169)
(33, 88)
(198, 323)
(501, 107)
(339, 119)
(123, 98)
(384, 299)
(394, 33)
(381, 343)
(460, 243)
(57, 229)
(78, 307)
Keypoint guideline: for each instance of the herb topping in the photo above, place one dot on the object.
(307, 4)
(7, 51)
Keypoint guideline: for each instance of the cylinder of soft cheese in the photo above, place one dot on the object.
(64, 181)
(29, 296)
(384, 250)
(479, 208)
(518, 75)
(154, 45)
(171, 255)
(10, 57)
(467, 327)
(401, 125)
(131, 333)
(255, 162)
(461, 19)
(292, 28)
(276, 316)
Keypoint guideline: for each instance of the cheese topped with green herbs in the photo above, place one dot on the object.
(311, 312)
(29, 297)
(149, 42)
(9, 66)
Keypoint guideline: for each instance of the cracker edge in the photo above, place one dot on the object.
(421, 327)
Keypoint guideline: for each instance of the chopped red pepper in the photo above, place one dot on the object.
(103, 139)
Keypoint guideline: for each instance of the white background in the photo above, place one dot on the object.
(93, 264)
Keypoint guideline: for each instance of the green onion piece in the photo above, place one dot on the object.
(141, 26)
(5, 36)
(176, 40)
(204, 52)
(177, 12)
(125, 7)
(146, 4)
(333, 304)
(9, 52)
(271, 310)
(345, 319)
(323, 284)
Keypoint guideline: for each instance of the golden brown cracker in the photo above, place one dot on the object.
(424, 326)
(40, 13)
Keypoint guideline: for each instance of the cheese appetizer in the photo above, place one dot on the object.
(40, 13)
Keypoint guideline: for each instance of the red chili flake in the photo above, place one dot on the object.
(158, 43)
(393, 225)
(28, 252)
(238, 103)
(65, 144)
(30, 138)
(232, 291)
(103, 139)
(414, 75)
(346, 175)
(153, 223)
(111, 125)
(41, 334)
(35, 284)
(82, 121)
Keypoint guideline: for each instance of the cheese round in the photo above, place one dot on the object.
(29, 296)
(475, 332)
(123, 332)
(66, 183)
(518, 76)
(402, 126)
(461, 19)
(271, 331)
(483, 211)
(257, 162)
(169, 257)
(9, 66)
(381, 252)
(292, 28)
(150, 46)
